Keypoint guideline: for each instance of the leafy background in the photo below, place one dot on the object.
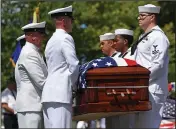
(92, 19)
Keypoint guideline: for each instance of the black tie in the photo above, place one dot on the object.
(114, 54)
(123, 54)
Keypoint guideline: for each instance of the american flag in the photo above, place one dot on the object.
(102, 62)
(167, 124)
(171, 86)
(169, 109)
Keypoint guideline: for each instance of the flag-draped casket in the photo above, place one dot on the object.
(115, 89)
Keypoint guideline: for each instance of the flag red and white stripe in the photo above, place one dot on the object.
(167, 124)
(124, 61)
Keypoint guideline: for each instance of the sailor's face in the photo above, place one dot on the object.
(119, 43)
(144, 19)
(105, 46)
(39, 39)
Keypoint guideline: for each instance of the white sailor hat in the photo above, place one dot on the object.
(107, 36)
(123, 32)
(20, 38)
(149, 8)
(67, 11)
(34, 27)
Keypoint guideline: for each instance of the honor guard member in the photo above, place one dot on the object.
(22, 41)
(32, 76)
(152, 53)
(63, 70)
(8, 103)
(124, 39)
(108, 44)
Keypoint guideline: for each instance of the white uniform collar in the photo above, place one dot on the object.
(61, 30)
(157, 28)
(32, 45)
(153, 28)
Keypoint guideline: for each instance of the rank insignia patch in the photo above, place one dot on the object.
(155, 51)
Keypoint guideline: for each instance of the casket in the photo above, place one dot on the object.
(112, 91)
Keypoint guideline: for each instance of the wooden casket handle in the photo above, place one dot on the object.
(115, 94)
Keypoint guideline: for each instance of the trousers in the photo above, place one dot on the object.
(152, 118)
(10, 121)
(30, 120)
(57, 115)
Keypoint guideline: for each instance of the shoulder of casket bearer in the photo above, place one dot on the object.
(34, 27)
(67, 11)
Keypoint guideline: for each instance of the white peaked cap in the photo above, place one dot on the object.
(20, 38)
(67, 11)
(107, 36)
(123, 32)
(149, 8)
(34, 25)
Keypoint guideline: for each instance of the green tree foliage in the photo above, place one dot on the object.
(168, 22)
(92, 18)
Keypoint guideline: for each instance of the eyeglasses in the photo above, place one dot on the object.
(143, 16)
